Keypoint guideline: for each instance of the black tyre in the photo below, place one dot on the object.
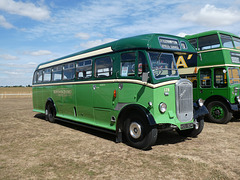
(50, 113)
(218, 112)
(138, 132)
(193, 132)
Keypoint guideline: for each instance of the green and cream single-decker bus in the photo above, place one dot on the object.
(130, 87)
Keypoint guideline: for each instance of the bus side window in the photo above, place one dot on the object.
(128, 64)
(57, 73)
(193, 42)
(220, 78)
(47, 75)
(208, 42)
(205, 78)
(39, 76)
(35, 77)
(104, 67)
(69, 71)
(84, 69)
(142, 64)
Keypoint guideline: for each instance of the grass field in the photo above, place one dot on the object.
(31, 148)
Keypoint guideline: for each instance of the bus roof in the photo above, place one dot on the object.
(146, 41)
(206, 33)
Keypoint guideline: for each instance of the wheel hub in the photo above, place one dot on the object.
(217, 112)
(135, 130)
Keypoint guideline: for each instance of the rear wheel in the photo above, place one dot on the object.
(138, 132)
(218, 112)
(50, 113)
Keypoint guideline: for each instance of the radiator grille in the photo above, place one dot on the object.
(184, 100)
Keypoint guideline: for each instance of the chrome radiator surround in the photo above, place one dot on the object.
(184, 100)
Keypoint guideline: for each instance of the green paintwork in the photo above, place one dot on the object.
(94, 99)
(213, 58)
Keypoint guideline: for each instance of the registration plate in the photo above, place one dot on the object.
(186, 126)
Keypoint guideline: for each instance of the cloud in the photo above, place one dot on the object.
(4, 23)
(25, 9)
(82, 35)
(181, 34)
(97, 42)
(212, 16)
(39, 53)
(8, 57)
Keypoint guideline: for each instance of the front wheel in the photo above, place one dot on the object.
(138, 132)
(218, 112)
(195, 131)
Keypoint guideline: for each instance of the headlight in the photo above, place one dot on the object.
(237, 99)
(162, 107)
(200, 102)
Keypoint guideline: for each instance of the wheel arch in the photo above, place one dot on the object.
(125, 111)
(218, 98)
(50, 101)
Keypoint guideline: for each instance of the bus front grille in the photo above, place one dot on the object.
(184, 100)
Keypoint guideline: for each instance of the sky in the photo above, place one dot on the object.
(36, 31)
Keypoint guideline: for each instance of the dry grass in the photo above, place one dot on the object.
(31, 148)
(15, 92)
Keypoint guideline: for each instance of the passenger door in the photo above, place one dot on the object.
(103, 91)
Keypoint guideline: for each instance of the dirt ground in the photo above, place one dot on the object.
(31, 148)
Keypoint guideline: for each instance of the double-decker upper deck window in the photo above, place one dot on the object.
(57, 73)
(84, 69)
(167, 43)
(69, 71)
(47, 75)
(104, 67)
(208, 42)
(236, 42)
(226, 41)
(163, 65)
(128, 64)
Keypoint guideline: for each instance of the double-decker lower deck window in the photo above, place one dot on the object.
(220, 78)
(205, 78)
(104, 67)
(234, 75)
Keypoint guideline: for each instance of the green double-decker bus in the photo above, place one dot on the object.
(130, 87)
(216, 75)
